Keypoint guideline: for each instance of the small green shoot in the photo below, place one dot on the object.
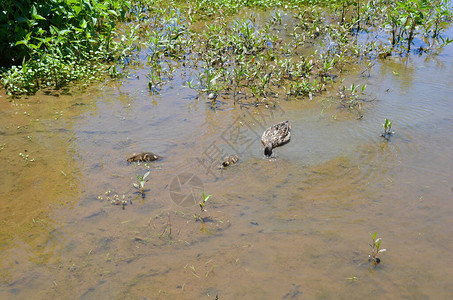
(140, 183)
(204, 199)
(375, 250)
(387, 129)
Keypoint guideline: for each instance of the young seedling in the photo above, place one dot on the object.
(375, 249)
(204, 199)
(387, 129)
(140, 184)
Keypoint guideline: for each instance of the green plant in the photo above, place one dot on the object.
(375, 249)
(350, 97)
(56, 42)
(209, 80)
(204, 199)
(139, 185)
(51, 43)
(387, 129)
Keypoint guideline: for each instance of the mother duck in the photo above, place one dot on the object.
(275, 136)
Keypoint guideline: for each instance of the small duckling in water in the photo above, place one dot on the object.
(229, 160)
(275, 136)
(144, 157)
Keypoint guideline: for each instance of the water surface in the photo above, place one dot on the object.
(296, 226)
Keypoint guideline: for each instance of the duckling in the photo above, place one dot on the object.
(144, 156)
(276, 136)
(229, 160)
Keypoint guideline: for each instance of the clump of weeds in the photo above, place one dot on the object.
(350, 97)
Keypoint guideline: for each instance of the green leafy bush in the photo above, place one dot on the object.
(51, 42)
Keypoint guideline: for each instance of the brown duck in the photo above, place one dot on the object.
(276, 136)
(229, 160)
(144, 157)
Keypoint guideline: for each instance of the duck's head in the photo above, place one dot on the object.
(268, 150)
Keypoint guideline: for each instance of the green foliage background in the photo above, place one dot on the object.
(68, 27)
(53, 42)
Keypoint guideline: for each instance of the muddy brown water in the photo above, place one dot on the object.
(296, 226)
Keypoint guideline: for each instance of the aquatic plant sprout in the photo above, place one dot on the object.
(375, 249)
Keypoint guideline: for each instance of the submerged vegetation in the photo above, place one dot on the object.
(301, 49)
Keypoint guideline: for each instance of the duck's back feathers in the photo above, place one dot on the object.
(277, 135)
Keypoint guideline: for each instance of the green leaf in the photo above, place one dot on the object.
(146, 175)
(206, 198)
(34, 14)
(77, 9)
(33, 46)
(64, 31)
(22, 42)
(112, 12)
(378, 242)
(38, 17)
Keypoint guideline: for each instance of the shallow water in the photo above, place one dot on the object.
(296, 226)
